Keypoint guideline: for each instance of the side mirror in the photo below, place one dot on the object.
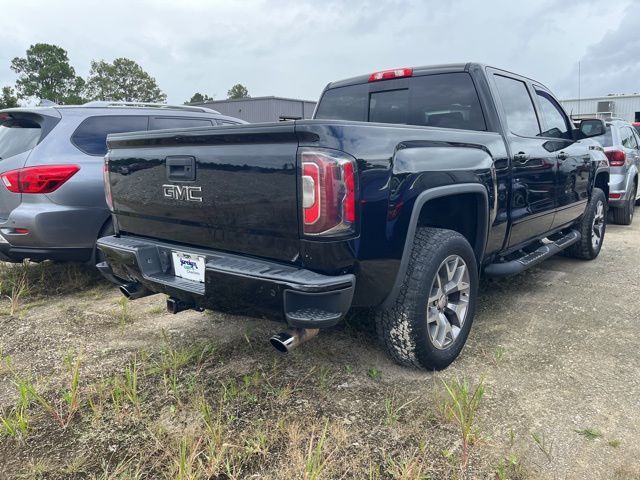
(591, 127)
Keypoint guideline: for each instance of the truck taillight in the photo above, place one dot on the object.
(41, 179)
(617, 158)
(328, 192)
(107, 184)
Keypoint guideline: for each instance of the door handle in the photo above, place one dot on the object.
(181, 169)
(521, 158)
(563, 156)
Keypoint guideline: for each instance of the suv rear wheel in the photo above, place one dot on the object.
(592, 227)
(431, 318)
(624, 215)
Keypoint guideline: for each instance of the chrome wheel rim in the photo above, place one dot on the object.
(448, 302)
(597, 228)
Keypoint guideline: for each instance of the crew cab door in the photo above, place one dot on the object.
(574, 161)
(533, 165)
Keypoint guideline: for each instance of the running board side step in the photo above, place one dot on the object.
(513, 267)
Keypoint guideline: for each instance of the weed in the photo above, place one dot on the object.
(124, 315)
(589, 433)
(17, 422)
(317, 458)
(545, 446)
(374, 373)
(498, 354)
(392, 409)
(324, 376)
(463, 407)
(614, 443)
(509, 468)
(410, 466)
(131, 383)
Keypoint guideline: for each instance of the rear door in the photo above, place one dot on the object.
(533, 165)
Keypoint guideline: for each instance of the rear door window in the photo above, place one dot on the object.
(91, 135)
(628, 139)
(162, 123)
(518, 106)
(17, 136)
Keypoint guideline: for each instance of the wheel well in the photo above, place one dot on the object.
(464, 213)
(602, 182)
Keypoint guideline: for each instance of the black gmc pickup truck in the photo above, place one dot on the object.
(404, 187)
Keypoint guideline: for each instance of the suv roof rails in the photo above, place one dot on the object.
(188, 108)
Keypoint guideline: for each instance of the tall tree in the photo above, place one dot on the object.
(199, 98)
(45, 73)
(8, 98)
(122, 80)
(238, 91)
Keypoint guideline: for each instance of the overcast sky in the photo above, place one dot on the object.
(293, 48)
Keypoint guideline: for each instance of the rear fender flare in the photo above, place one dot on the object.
(421, 200)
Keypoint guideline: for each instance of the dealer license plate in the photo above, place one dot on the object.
(188, 266)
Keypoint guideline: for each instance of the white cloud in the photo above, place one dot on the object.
(293, 48)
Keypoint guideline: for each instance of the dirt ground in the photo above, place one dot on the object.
(555, 348)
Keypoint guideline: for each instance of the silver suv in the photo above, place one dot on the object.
(52, 202)
(621, 144)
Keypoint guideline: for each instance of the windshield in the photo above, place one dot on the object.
(447, 100)
(17, 136)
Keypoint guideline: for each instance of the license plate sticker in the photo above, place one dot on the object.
(188, 266)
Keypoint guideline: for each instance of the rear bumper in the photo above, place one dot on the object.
(234, 283)
(14, 253)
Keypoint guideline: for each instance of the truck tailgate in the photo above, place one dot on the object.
(225, 188)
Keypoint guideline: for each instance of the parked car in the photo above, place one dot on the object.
(405, 186)
(621, 144)
(52, 203)
(636, 125)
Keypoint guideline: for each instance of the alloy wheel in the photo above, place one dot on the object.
(448, 301)
(597, 229)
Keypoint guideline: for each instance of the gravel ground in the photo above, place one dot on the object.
(557, 349)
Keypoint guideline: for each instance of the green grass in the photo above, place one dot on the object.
(589, 433)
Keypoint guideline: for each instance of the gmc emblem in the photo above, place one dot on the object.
(182, 192)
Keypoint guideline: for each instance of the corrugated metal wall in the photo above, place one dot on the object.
(626, 107)
(269, 109)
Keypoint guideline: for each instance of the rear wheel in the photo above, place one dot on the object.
(592, 227)
(431, 318)
(624, 215)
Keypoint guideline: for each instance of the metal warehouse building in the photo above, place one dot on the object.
(626, 107)
(263, 109)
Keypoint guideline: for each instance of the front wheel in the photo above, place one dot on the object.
(592, 227)
(431, 318)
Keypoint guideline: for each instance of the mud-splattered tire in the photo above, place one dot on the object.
(592, 226)
(412, 330)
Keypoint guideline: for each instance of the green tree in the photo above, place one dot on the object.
(199, 98)
(122, 80)
(45, 73)
(8, 98)
(238, 91)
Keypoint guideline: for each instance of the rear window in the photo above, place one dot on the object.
(162, 123)
(91, 135)
(17, 136)
(606, 139)
(446, 100)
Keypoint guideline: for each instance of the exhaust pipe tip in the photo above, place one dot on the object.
(291, 338)
(134, 290)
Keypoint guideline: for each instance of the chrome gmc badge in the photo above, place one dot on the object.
(183, 192)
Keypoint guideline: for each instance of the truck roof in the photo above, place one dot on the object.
(428, 70)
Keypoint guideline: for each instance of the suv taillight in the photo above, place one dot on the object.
(107, 184)
(616, 158)
(42, 179)
(328, 192)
